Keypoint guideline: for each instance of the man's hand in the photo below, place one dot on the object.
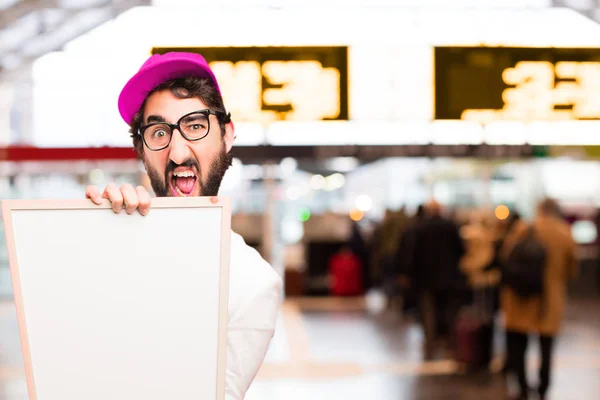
(124, 197)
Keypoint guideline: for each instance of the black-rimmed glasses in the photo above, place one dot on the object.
(193, 127)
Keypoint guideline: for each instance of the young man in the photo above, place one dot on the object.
(184, 136)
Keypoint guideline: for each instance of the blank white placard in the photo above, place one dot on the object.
(121, 307)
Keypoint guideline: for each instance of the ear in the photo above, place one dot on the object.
(229, 136)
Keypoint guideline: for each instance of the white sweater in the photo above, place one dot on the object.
(254, 299)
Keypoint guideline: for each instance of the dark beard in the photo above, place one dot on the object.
(218, 167)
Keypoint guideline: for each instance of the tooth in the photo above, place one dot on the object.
(184, 174)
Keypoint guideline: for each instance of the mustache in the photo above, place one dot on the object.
(189, 162)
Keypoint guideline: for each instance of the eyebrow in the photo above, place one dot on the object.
(155, 118)
(193, 117)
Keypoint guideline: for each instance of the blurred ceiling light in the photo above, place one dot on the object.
(356, 215)
(342, 164)
(253, 172)
(292, 230)
(584, 232)
(317, 182)
(364, 202)
(303, 190)
(335, 181)
(293, 193)
(502, 212)
(288, 166)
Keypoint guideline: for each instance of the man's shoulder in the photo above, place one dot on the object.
(247, 261)
(253, 283)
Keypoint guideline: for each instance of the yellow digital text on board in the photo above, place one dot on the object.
(541, 90)
(310, 91)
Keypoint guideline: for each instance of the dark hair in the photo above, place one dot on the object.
(183, 88)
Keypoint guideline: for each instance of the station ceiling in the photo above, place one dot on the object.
(31, 28)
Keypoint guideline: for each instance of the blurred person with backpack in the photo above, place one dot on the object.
(538, 260)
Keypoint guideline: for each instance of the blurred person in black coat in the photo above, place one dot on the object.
(404, 261)
(359, 247)
(436, 276)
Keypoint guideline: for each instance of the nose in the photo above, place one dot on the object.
(179, 150)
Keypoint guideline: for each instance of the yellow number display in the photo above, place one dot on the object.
(310, 91)
(541, 90)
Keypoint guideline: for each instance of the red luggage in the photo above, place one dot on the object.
(345, 270)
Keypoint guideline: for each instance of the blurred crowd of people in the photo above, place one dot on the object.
(458, 274)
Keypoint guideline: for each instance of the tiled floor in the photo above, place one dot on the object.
(338, 350)
(331, 349)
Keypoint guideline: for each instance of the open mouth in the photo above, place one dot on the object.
(183, 182)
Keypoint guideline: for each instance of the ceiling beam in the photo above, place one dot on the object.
(24, 7)
(17, 11)
(106, 13)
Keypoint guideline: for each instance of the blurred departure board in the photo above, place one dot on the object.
(266, 84)
(523, 84)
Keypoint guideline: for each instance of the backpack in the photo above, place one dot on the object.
(525, 267)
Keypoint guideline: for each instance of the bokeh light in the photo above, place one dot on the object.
(356, 215)
(335, 181)
(304, 214)
(364, 202)
(502, 212)
(317, 182)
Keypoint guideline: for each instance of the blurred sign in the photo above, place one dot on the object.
(267, 84)
(524, 84)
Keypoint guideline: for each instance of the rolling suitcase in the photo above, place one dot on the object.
(346, 273)
(474, 332)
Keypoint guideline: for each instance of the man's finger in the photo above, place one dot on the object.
(144, 200)
(93, 193)
(113, 194)
(130, 198)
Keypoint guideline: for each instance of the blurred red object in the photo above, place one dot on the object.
(30, 153)
(345, 270)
